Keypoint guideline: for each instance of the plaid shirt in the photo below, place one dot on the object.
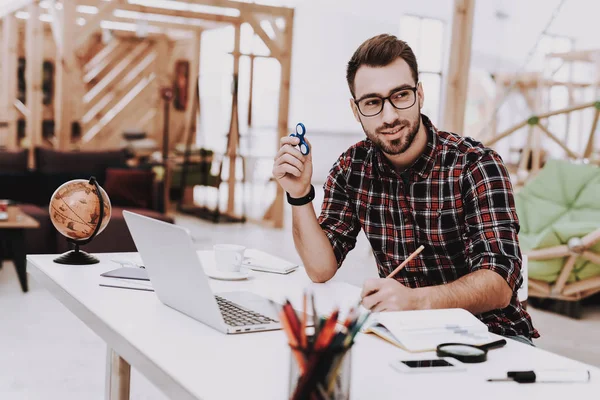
(456, 200)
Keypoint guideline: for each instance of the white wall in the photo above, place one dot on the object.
(327, 32)
(325, 37)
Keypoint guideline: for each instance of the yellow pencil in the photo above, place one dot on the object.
(399, 268)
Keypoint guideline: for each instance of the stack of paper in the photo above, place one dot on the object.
(260, 261)
(418, 331)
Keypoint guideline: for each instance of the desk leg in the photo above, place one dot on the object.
(17, 242)
(118, 374)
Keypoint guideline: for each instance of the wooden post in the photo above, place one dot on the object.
(536, 141)
(190, 111)
(34, 45)
(458, 69)
(251, 90)
(8, 93)
(163, 80)
(589, 148)
(283, 113)
(117, 377)
(234, 129)
(64, 112)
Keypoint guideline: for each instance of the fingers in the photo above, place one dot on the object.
(371, 286)
(289, 149)
(282, 169)
(309, 155)
(291, 140)
(374, 300)
(290, 159)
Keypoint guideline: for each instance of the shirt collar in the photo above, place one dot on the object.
(424, 164)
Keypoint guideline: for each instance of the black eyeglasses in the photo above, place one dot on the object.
(401, 99)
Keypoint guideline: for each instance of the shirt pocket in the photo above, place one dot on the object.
(438, 226)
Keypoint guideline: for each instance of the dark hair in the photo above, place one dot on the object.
(380, 51)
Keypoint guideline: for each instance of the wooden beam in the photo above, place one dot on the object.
(564, 274)
(191, 114)
(581, 55)
(567, 109)
(101, 55)
(65, 110)
(234, 128)
(283, 114)
(159, 25)
(459, 63)
(556, 140)
(21, 108)
(99, 71)
(13, 6)
(274, 48)
(116, 73)
(93, 22)
(117, 112)
(589, 148)
(250, 91)
(34, 38)
(56, 25)
(149, 9)
(135, 75)
(8, 93)
(164, 79)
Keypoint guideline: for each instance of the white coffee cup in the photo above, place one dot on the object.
(228, 257)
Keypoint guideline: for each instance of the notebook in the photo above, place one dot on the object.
(424, 330)
(260, 261)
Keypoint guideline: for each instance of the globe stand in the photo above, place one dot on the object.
(77, 256)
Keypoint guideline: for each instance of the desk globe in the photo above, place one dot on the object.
(79, 213)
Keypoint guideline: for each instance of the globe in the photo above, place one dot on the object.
(75, 213)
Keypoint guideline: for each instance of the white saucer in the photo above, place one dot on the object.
(226, 275)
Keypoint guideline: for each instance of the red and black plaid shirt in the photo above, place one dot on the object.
(456, 200)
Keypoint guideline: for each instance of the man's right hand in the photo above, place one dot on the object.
(292, 169)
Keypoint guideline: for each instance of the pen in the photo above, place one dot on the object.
(547, 375)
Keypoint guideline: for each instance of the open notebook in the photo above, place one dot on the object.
(419, 331)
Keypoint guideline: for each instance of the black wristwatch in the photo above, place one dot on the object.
(302, 200)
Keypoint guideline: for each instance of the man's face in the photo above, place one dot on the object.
(392, 130)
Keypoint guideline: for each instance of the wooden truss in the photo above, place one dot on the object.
(101, 87)
(532, 86)
(561, 290)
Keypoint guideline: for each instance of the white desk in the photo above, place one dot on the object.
(188, 360)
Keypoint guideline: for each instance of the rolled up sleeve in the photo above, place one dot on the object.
(491, 220)
(338, 218)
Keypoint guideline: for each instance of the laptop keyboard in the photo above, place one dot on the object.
(235, 315)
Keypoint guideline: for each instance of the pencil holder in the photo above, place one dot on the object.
(324, 374)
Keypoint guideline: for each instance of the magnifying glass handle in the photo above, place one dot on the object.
(493, 345)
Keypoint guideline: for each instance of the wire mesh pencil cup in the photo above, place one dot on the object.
(326, 377)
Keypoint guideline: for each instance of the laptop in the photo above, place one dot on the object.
(179, 281)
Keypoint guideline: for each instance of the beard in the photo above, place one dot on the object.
(396, 146)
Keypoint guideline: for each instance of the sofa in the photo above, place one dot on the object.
(133, 189)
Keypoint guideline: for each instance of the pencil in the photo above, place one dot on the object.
(399, 268)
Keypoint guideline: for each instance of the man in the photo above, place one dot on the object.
(407, 185)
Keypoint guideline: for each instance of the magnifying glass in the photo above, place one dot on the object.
(468, 353)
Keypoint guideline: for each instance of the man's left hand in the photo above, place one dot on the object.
(386, 294)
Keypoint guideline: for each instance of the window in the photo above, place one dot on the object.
(426, 38)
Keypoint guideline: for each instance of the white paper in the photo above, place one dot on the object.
(425, 330)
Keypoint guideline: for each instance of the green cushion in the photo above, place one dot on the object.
(562, 202)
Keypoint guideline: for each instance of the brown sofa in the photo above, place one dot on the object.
(135, 190)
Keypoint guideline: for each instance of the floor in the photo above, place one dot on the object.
(47, 353)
